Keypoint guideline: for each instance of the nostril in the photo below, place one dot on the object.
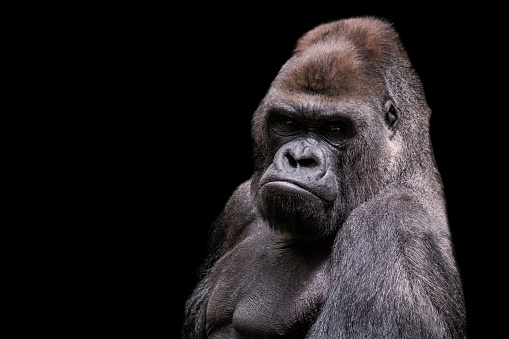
(307, 162)
(301, 161)
(291, 160)
(296, 162)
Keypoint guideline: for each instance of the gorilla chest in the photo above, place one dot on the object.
(266, 288)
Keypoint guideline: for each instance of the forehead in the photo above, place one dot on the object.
(330, 70)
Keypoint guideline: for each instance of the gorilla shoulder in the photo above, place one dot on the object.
(234, 221)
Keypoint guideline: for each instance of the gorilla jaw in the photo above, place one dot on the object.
(295, 211)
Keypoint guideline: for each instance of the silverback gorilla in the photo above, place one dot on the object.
(341, 232)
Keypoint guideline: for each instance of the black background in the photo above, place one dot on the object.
(187, 80)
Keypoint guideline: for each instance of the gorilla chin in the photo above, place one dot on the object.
(293, 210)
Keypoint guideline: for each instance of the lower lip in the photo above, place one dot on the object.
(288, 186)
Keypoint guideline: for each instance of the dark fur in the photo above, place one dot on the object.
(362, 249)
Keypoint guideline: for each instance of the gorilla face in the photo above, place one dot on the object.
(325, 121)
(299, 189)
(302, 191)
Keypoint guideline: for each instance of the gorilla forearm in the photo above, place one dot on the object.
(394, 278)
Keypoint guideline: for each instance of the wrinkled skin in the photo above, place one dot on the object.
(342, 231)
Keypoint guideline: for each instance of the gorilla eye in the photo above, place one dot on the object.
(284, 125)
(337, 131)
(335, 127)
(288, 122)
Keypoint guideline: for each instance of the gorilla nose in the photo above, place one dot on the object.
(302, 160)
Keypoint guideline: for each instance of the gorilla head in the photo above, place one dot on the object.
(330, 133)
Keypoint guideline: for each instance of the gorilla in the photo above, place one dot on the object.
(341, 231)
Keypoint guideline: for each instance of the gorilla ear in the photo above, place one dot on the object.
(391, 115)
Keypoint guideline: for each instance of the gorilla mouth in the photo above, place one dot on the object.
(292, 186)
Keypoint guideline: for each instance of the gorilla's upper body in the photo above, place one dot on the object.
(342, 231)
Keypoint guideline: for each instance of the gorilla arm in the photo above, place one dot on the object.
(228, 229)
(392, 276)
